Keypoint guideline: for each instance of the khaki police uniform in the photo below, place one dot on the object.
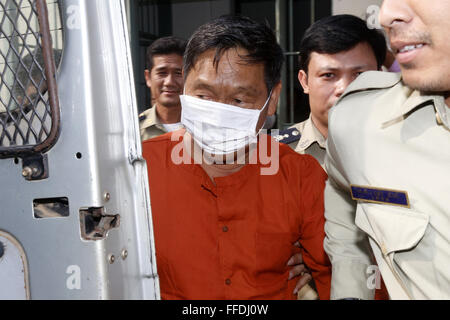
(311, 141)
(150, 125)
(304, 138)
(388, 161)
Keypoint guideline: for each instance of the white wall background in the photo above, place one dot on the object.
(355, 7)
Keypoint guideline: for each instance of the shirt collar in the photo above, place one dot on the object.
(310, 134)
(414, 101)
(151, 119)
(442, 111)
(235, 179)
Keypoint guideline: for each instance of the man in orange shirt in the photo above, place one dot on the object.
(241, 199)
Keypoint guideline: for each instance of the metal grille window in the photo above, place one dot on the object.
(29, 109)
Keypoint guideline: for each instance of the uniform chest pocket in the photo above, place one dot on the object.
(393, 228)
(273, 251)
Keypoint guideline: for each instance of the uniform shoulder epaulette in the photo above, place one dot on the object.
(143, 115)
(287, 136)
(372, 80)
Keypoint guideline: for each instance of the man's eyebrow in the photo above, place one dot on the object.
(362, 66)
(166, 67)
(247, 90)
(327, 68)
(199, 84)
(330, 68)
(202, 85)
(161, 67)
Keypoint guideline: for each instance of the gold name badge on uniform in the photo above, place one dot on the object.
(380, 195)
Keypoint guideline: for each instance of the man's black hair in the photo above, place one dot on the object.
(340, 33)
(228, 32)
(165, 45)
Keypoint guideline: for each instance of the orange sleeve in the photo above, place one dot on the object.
(312, 233)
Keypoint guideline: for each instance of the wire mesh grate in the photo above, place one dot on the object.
(25, 104)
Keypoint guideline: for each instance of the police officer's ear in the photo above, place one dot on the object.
(147, 74)
(303, 79)
(273, 102)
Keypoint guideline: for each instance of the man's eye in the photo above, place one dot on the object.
(203, 97)
(327, 75)
(237, 101)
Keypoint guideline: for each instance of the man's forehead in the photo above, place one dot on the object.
(353, 58)
(166, 59)
(230, 73)
(235, 56)
(228, 64)
(201, 82)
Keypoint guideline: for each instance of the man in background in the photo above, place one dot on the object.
(333, 52)
(163, 77)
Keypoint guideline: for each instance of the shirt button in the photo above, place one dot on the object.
(225, 229)
(228, 282)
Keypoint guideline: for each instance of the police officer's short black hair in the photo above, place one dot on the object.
(165, 45)
(232, 31)
(340, 33)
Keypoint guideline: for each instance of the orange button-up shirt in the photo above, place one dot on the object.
(232, 240)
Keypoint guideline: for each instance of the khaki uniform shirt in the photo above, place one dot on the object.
(311, 141)
(394, 145)
(149, 124)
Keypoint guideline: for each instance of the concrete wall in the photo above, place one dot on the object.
(187, 16)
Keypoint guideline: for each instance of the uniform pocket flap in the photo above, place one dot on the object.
(394, 228)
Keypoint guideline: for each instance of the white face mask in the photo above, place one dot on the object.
(219, 128)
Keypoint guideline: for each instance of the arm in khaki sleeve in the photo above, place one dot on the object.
(346, 245)
(312, 229)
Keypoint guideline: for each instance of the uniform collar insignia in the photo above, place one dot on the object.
(151, 118)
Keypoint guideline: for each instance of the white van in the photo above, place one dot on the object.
(75, 217)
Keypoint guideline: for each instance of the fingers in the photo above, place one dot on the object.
(295, 259)
(297, 270)
(304, 279)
